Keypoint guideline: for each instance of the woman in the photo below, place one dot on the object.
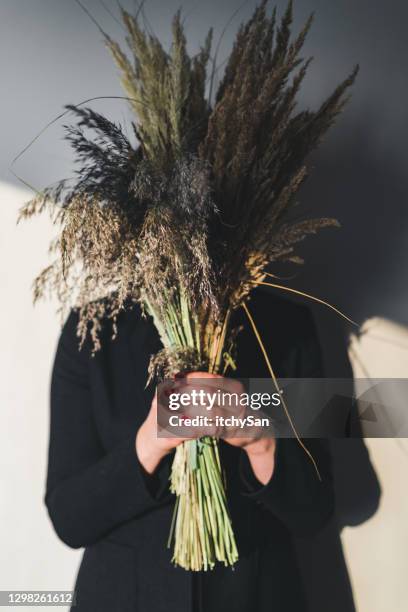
(107, 484)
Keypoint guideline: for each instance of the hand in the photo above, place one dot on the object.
(149, 448)
(260, 450)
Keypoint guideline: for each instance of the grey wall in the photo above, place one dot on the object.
(51, 54)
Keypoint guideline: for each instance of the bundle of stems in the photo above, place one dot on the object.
(202, 527)
(186, 218)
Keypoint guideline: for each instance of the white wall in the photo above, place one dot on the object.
(377, 551)
(31, 556)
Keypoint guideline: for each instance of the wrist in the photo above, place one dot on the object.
(261, 456)
(148, 453)
(263, 446)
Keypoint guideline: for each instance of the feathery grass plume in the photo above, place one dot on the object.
(187, 219)
(256, 144)
(167, 89)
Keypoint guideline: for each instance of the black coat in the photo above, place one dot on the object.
(99, 497)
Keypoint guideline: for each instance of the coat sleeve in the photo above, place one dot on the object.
(90, 492)
(295, 494)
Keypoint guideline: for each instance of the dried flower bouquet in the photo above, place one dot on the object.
(186, 219)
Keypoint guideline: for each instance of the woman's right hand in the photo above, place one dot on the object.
(151, 449)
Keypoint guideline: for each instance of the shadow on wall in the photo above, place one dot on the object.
(374, 557)
(357, 182)
(360, 266)
(357, 492)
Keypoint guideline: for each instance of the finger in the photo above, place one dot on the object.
(214, 380)
(210, 385)
(207, 375)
